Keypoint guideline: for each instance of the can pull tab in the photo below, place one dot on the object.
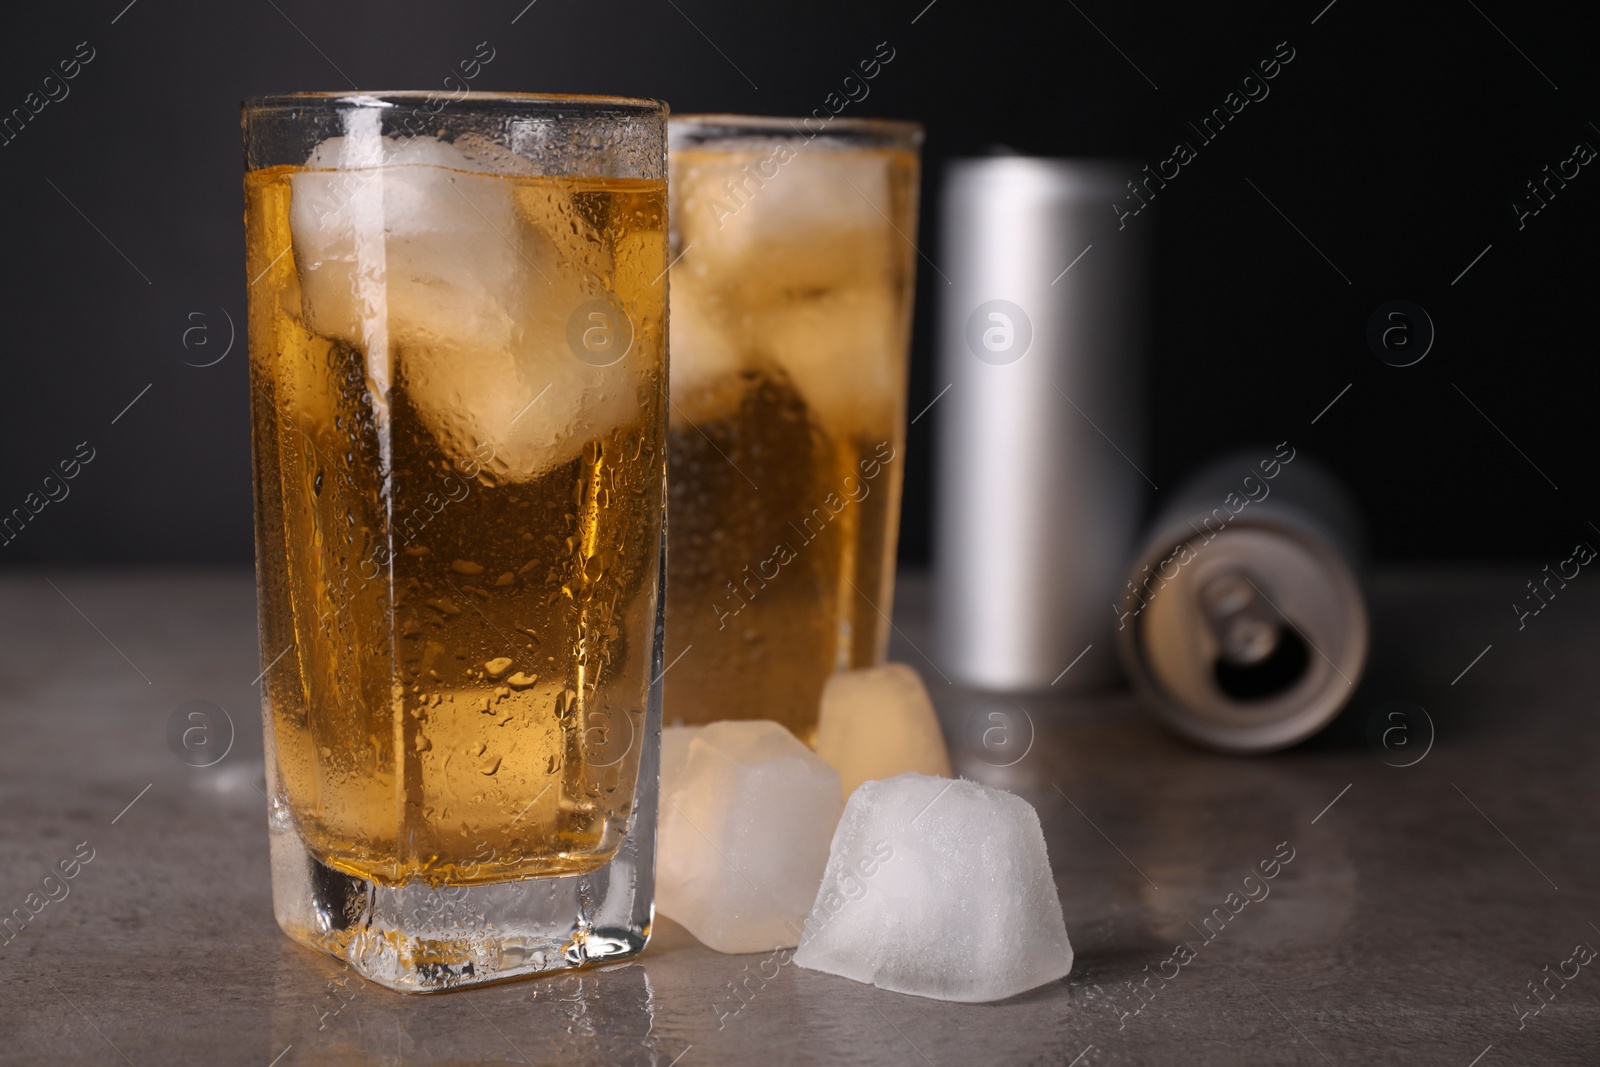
(1258, 656)
(1244, 631)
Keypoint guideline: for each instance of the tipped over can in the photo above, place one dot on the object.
(1243, 622)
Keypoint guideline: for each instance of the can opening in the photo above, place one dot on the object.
(1280, 670)
(1258, 656)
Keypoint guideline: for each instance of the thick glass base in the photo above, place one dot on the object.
(418, 938)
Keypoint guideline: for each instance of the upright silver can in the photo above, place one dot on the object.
(1040, 434)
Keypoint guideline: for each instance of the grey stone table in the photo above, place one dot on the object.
(1423, 907)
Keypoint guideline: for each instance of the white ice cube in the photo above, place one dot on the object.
(941, 889)
(877, 723)
(404, 216)
(746, 815)
(798, 272)
(742, 214)
(707, 361)
(459, 286)
(845, 352)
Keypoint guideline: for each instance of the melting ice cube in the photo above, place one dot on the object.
(877, 723)
(797, 272)
(746, 815)
(457, 274)
(941, 889)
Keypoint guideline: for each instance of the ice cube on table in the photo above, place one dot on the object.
(675, 754)
(747, 813)
(877, 723)
(938, 888)
(458, 285)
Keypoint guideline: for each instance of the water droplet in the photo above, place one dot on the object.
(522, 680)
(489, 765)
(462, 566)
(497, 666)
(421, 743)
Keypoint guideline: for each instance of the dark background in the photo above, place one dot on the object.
(1395, 141)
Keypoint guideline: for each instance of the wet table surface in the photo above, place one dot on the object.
(1429, 915)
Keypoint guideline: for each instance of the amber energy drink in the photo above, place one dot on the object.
(791, 299)
(458, 394)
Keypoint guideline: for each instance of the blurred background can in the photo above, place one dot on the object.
(1243, 622)
(1041, 436)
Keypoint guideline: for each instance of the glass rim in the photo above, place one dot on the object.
(869, 132)
(483, 100)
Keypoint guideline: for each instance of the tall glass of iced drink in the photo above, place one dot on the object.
(457, 364)
(791, 313)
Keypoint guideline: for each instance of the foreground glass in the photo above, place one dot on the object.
(791, 317)
(457, 368)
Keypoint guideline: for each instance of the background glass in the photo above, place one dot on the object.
(791, 315)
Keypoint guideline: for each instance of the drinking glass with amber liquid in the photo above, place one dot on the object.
(792, 286)
(457, 367)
